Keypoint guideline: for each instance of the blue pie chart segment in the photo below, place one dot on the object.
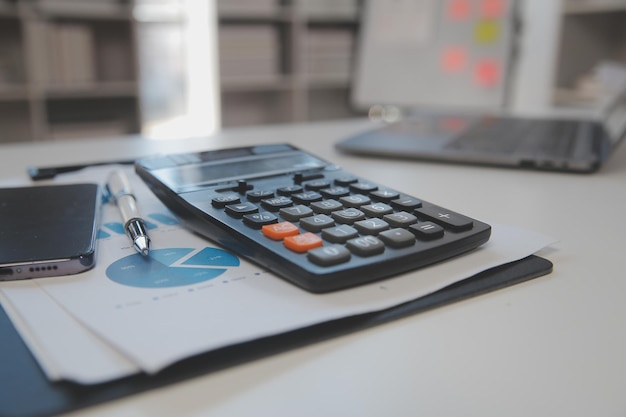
(157, 270)
(168, 256)
(213, 256)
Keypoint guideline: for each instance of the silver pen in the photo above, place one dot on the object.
(122, 194)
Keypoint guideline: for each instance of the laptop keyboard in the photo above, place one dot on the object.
(528, 137)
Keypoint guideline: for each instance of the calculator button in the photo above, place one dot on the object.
(317, 185)
(371, 226)
(258, 195)
(356, 200)
(335, 192)
(279, 231)
(275, 204)
(295, 213)
(307, 197)
(346, 180)
(363, 187)
(340, 234)
(316, 223)
(385, 195)
(239, 209)
(377, 209)
(326, 206)
(400, 219)
(427, 231)
(366, 246)
(329, 255)
(348, 216)
(303, 243)
(289, 190)
(445, 218)
(406, 203)
(397, 238)
(223, 200)
(258, 220)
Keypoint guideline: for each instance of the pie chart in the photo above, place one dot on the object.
(172, 267)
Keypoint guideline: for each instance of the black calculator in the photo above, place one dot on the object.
(305, 219)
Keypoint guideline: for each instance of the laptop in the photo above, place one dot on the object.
(567, 144)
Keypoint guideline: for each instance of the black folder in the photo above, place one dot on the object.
(26, 392)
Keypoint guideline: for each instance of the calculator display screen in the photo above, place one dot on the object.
(205, 173)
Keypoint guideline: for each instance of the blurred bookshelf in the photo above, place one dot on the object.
(86, 68)
(71, 69)
(67, 68)
(286, 61)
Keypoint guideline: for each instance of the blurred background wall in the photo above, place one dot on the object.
(172, 68)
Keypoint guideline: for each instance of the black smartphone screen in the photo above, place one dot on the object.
(48, 230)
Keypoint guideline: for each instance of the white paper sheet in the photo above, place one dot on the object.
(192, 297)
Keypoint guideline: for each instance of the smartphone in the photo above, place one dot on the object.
(48, 230)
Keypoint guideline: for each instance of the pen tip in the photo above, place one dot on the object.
(142, 244)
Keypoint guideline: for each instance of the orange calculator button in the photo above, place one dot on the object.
(304, 242)
(279, 231)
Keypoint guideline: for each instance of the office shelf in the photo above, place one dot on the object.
(285, 61)
(63, 64)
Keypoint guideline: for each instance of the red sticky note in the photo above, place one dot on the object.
(453, 59)
(492, 9)
(458, 9)
(487, 72)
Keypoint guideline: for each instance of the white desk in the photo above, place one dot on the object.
(554, 346)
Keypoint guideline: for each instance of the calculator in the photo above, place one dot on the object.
(307, 220)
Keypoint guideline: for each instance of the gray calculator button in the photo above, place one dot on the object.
(385, 195)
(317, 185)
(289, 190)
(355, 200)
(427, 230)
(275, 204)
(326, 206)
(346, 180)
(406, 203)
(377, 209)
(348, 216)
(335, 192)
(445, 218)
(295, 213)
(316, 223)
(340, 234)
(400, 219)
(258, 220)
(258, 195)
(329, 255)
(238, 210)
(366, 246)
(397, 238)
(223, 200)
(371, 226)
(306, 197)
(363, 187)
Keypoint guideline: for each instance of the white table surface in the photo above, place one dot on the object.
(554, 346)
